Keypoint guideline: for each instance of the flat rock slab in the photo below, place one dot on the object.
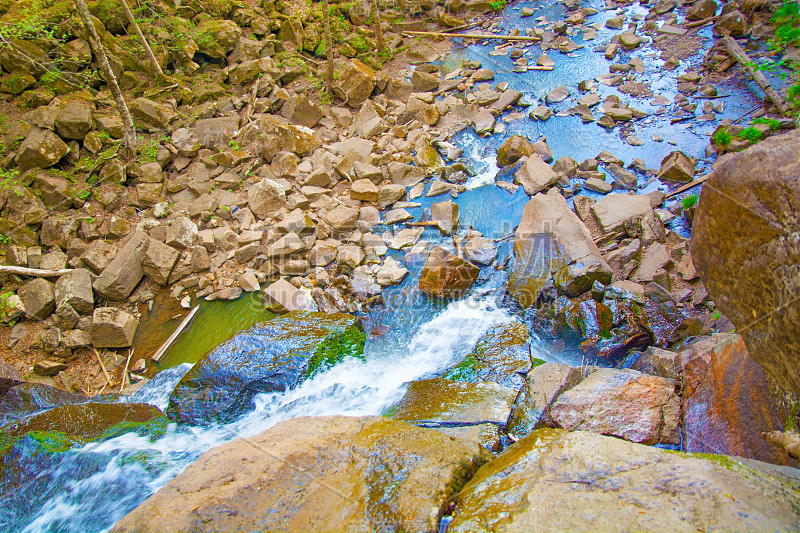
(316, 474)
(274, 356)
(472, 411)
(557, 481)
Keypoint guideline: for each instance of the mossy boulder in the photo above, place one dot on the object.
(111, 14)
(502, 355)
(40, 149)
(23, 399)
(216, 38)
(274, 356)
(553, 480)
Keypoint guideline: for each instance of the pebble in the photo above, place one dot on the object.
(634, 141)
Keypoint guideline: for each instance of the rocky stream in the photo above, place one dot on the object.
(533, 277)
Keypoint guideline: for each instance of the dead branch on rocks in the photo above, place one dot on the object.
(741, 56)
(34, 272)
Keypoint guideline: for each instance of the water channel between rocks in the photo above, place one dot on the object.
(90, 488)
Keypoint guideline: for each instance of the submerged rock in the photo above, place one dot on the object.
(744, 245)
(557, 481)
(274, 356)
(553, 247)
(321, 474)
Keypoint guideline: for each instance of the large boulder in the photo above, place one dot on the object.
(701, 10)
(273, 356)
(40, 149)
(744, 245)
(624, 403)
(557, 481)
(445, 275)
(472, 411)
(513, 149)
(298, 109)
(553, 247)
(677, 167)
(113, 328)
(535, 175)
(124, 272)
(726, 401)
(321, 474)
(158, 261)
(215, 38)
(355, 83)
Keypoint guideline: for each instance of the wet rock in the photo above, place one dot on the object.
(727, 402)
(557, 95)
(543, 385)
(399, 477)
(124, 272)
(480, 250)
(113, 328)
(75, 289)
(38, 298)
(445, 214)
(552, 247)
(483, 122)
(391, 272)
(470, 411)
(266, 197)
(744, 247)
(406, 238)
(41, 148)
(514, 148)
(355, 83)
(623, 403)
(445, 275)
(677, 167)
(630, 40)
(285, 297)
(555, 480)
(273, 356)
(535, 175)
(618, 210)
(501, 356)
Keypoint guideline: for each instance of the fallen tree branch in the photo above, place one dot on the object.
(741, 56)
(164, 347)
(35, 272)
(688, 186)
(102, 367)
(697, 23)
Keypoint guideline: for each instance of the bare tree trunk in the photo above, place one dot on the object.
(326, 17)
(148, 51)
(376, 19)
(129, 138)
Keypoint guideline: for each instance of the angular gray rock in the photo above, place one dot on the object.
(75, 289)
(38, 298)
(124, 272)
(113, 328)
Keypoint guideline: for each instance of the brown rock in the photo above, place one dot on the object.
(365, 459)
(624, 403)
(445, 275)
(727, 401)
(744, 247)
(543, 385)
(514, 148)
(677, 167)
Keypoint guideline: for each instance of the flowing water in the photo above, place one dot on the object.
(89, 488)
